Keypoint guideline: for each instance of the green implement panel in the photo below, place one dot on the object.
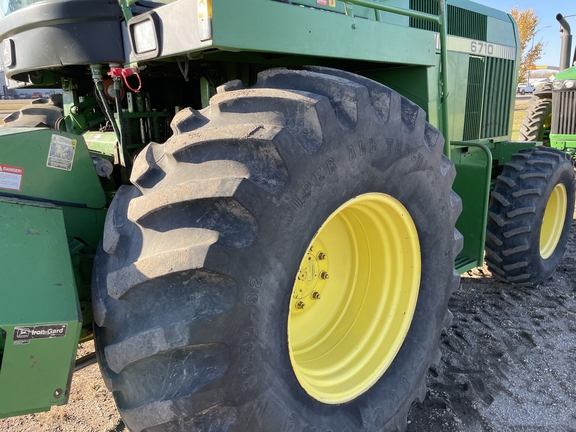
(49, 165)
(40, 319)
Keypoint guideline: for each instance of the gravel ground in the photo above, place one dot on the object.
(508, 360)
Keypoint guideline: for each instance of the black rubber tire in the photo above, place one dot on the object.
(535, 125)
(516, 212)
(193, 280)
(38, 113)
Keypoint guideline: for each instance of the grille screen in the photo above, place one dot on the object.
(474, 98)
(461, 22)
(564, 112)
(497, 97)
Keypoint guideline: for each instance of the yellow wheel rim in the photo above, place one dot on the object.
(354, 298)
(553, 221)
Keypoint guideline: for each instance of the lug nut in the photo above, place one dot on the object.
(316, 295)
(324, 275)
(300, 304)
(321, 256)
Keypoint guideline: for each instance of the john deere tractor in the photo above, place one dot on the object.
(259, 209)
(551, 115)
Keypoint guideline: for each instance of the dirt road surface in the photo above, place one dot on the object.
(509, 358)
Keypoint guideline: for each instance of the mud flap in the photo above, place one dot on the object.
(40, 318)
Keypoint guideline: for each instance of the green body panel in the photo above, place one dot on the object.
(268, 26)
(473, 162)
(54, 166)
(563, 142)
(502, 152)
(103, 144)
(569, 73)
(35, 371)
(84, 223)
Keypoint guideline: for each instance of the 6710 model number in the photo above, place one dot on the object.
(481, 47)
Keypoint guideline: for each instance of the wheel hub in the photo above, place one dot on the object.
(353, 298)
(553, 221)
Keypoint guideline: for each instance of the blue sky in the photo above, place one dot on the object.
(546, 11)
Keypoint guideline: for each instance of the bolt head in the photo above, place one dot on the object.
(300, 304)
(324, 275)
(316, 295)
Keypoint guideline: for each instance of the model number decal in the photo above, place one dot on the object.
(481, 47)
(476, 47)
(24, 334)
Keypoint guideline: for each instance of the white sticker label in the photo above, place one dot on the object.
(61, 153)
(11, 177)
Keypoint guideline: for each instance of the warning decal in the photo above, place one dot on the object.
(23, 335)
(11, 177)
(61, 153)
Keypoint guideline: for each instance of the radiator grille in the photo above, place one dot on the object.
(497, 97)
(461, 22)
(564, 112)
(427, 6)
(465, 23)
(474, 98)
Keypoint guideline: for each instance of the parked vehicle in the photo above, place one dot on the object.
(259, 209)
(524, 88)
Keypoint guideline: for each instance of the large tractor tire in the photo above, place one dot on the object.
(537, 121)
(284, 262)
(530, 216)
(38, 113)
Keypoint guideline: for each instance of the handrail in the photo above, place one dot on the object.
(393, 9)
(442, 21)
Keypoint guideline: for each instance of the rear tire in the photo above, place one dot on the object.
(530, 216)
(537, 121)
(193, 282)
(38, 113)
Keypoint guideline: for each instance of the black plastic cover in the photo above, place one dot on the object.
(61, 33)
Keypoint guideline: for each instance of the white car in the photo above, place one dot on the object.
(524, 88)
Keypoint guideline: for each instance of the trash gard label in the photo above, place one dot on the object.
(11, 177)
(24, 334)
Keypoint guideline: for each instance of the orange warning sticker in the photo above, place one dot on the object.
(332, 3)
(11, 177)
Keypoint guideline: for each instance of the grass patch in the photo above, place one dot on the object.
(519, 112)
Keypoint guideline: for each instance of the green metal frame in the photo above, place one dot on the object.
(40, 316)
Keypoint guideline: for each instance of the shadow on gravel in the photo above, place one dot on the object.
(509, 358)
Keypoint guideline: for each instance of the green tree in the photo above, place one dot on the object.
(530, 52)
